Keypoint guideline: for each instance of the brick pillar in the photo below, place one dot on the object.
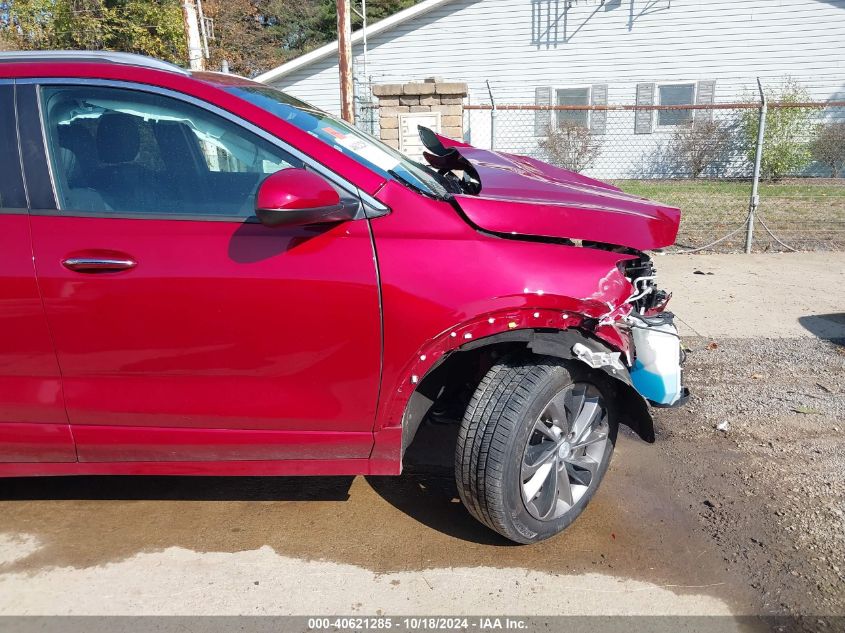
(431, 95)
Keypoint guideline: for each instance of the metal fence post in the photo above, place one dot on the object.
(492, 117)
(758, 158)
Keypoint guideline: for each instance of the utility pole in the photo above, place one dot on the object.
(196, 57)
(344, 60)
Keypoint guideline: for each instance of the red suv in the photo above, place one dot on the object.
(202, 275)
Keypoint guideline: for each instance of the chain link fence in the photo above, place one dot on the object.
(699, 158)
(366, 105)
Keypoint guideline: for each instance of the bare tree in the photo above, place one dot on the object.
(698, 145)
(571, 146)
(828, 147)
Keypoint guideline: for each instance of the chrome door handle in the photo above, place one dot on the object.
(98, 264)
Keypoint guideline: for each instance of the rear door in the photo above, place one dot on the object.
(33, 423)
(184, 329)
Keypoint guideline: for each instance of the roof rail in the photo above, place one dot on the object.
(110, 57)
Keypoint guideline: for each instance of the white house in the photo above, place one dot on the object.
(582, 52)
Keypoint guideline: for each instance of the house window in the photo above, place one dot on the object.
(676, 94)
(573, 97)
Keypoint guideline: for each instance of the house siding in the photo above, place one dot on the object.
(510, 44)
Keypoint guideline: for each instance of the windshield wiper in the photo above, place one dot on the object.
(426, 192)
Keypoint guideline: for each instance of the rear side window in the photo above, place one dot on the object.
(12, 193)
(116, 150)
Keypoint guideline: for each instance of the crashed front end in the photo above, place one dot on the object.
(639, 331)
(656, 369)
(518, 197)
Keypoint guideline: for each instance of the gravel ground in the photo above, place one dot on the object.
(760, 454)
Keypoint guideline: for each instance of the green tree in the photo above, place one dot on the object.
(148, 27)
(252, 35)
(786, 147)
(28, 25)
(241, 37)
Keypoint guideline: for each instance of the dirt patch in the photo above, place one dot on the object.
(769, 489)
(384, 524)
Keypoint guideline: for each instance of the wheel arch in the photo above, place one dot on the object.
(559, 343)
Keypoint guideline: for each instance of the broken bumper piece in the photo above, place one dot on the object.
(657, 373)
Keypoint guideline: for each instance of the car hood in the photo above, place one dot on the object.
(524, 196)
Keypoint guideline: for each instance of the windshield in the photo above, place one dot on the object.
(345, 138)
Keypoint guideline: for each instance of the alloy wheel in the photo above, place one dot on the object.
(564, 452)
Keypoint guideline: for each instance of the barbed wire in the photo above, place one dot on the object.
(689, 250)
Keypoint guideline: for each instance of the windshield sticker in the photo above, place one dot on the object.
(368, 151)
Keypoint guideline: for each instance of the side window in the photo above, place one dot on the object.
(126, 151)
(676, 94)
(11, 183)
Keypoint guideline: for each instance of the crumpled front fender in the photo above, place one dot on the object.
(569, 344)
(544, 331)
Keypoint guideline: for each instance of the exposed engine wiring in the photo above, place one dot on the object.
(641, 292)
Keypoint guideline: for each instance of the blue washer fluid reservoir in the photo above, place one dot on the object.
(657, 370)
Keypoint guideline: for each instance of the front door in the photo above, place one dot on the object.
(184, 329)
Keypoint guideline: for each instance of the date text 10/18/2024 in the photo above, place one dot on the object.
(416, 623)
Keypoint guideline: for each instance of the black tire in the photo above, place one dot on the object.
(498, 425)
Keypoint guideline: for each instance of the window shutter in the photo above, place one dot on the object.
(598, 118)
(644, 119)
(542, 118)
(706, 96)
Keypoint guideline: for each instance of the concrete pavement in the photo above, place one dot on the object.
(758, 295)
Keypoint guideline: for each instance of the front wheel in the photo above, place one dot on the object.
(534, 444)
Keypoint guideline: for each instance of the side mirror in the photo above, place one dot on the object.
(296, 196)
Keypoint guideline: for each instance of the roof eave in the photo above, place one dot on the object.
(373, 29)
